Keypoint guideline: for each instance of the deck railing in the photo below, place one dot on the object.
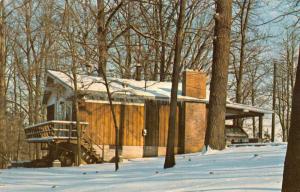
(53, 130)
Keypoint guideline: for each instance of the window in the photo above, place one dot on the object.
(64, 111)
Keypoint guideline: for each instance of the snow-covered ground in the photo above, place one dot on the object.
(247, 168)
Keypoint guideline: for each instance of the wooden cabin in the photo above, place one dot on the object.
(142, 110)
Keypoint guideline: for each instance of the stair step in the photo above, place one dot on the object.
(90, 152)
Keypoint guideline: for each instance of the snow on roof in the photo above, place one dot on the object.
(143, 89)
(247, 108)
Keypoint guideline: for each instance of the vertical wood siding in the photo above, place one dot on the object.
(164, 112)
(157, 124)
(130, 119)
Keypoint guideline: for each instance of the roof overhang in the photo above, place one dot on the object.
(122, 96)
(237, 110)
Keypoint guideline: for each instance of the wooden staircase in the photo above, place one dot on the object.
(91, 153)
(64, 135)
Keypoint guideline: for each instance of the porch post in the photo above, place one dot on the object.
(260, 127)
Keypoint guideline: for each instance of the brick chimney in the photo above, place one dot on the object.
(138, 72)
(195, 114)
(194, 84)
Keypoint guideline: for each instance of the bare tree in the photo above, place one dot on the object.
(103, 22)
(245, 7)
(291, 165)
(2, 86)
(170, 157)
(274, 102)
(247, 60)
(215, 133)
(102, 50)
(285, 80)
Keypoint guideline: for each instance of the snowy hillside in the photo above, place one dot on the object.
(246, 168)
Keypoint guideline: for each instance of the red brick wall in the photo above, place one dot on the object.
(194, 84)
(195, 127)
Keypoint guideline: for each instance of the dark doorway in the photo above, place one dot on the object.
(50, 112)
(151, 140)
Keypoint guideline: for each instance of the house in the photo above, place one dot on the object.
(142, 110)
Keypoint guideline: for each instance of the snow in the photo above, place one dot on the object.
(238, 168)
(143, 89)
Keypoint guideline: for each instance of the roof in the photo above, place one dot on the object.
(247, 108)
(154, 90)
(129, 87)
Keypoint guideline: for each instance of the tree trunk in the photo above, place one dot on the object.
(288, 99)
(2, 85)
(128, 44)
(170, 157)
(291, 172)
(163, 46)
(74, 71)
(102, 73)
(245, 11)
(253, 104)
(101, 35)
(274, 104)
(243, 27)
(102, 51)
(76, 112)
(215, 134)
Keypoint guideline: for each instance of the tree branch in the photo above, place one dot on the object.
(148, 36)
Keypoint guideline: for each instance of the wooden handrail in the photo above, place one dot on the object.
(55, 122)
(56, 129)
(85, 136)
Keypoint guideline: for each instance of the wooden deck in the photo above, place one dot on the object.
(51, 131)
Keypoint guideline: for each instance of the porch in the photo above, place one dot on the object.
(235, 111)
(53, 131)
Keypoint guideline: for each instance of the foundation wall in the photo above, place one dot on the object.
(131, 152)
